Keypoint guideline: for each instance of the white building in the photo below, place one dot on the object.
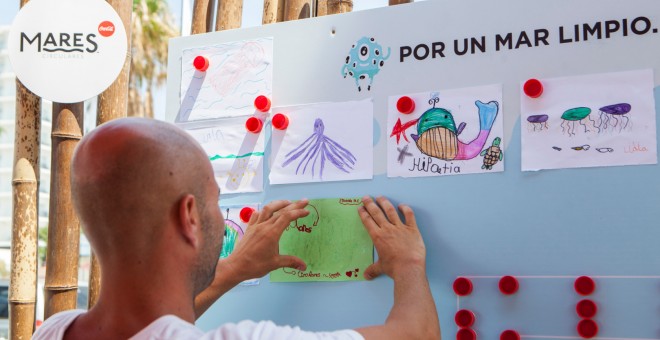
(7, 122)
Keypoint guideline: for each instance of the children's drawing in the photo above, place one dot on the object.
(331, 240)
(235, 229)
(318, 144)
(609, 114)
(403, 153)
(340, 146)
(364, 60)
(236, 155)
(573, 116)
(238, 72)
(537, 122)
(591, 117)
(492, 155)
(441, 146)
(233, 233)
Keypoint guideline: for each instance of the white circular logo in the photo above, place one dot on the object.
(67, 50)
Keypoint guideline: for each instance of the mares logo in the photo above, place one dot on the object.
(59, 42)
(106, 28)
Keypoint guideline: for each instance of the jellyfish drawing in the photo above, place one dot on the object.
(575, 115)
(609, 114)
(317, 149)
(537, 122)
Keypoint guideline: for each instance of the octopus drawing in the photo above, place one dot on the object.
(317, 149)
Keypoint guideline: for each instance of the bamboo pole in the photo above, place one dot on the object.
(338, 6)
(399, 2)
(297, 9)
(25, 214)
(230, 13)
(112, 104)
(199, 19)
(61, 285)
(273, 11)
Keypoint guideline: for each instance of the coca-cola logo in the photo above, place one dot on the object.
(106, 28)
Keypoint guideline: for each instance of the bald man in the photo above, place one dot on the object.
(148, 202)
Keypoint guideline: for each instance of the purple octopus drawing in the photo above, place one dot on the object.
(317, 149)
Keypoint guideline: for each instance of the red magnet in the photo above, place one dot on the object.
(584, 285)
(464, 318)
(245, 214)
(405, 105)
(466, 334)
(280, 121)
(262, 103)
(586, 309)
(508, 285)
(254, 124)
(462, 286)
(509, 334)
(587, 328)
(201, 63)
(533, 88)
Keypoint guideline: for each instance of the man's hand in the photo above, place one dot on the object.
(399, 244)
(258, 252)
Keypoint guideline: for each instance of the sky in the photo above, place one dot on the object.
(252, 13)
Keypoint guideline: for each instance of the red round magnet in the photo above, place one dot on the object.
(280, 121)
(245, 214)
(508, 285)
(462, 286)
(405, 105)
(587, 328)
(466, 334)
(533, 88)
(254, 124)
(464, 318)
(201, 63)
(262, 103)
(584, 285)
(509, 334)
(586, 309)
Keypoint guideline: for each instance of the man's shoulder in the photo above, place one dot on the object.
(55, 326)
(268, 330)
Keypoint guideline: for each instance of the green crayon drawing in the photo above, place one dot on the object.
(331, 240)
(232, 156)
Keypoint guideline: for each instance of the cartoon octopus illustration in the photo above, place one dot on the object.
(319, 145)
(365, 59)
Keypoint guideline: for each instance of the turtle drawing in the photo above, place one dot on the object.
(492, 154)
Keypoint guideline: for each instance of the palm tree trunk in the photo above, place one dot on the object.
(148, 103)
(297, 9)
(25, 215)
(199, 19)
(112, 104)
(399, 2)
(230, 13)
(273, 11)
(61, 285)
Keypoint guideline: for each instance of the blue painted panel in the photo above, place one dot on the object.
(544, 227)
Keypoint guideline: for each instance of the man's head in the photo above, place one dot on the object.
(145, 190)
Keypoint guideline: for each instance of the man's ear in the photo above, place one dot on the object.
(189, 219)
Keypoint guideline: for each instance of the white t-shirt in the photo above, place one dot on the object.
(172, 327)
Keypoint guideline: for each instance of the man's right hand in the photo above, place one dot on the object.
(398, 243)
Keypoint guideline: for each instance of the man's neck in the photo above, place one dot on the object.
(128, 303)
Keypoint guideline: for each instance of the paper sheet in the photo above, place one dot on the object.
(331, 240)
(235, 228)
(235, 154)
(238, 72)
(450, 132)
(594, 120)
(324, 142)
